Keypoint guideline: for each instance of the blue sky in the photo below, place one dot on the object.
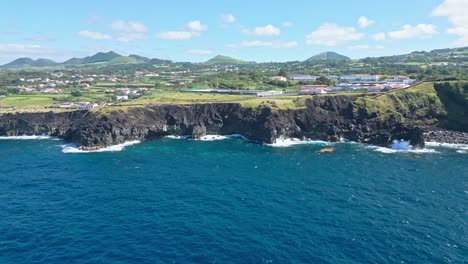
(250, 30)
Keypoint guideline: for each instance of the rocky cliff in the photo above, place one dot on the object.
(326, 118)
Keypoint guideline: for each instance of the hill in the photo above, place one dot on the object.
(127, 60)
(329, 55)
(220, 59)
(101, 57)
(28, 62)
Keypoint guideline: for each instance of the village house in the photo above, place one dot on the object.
(121, 97)
(279, 78)
(86, 105)
(313, 89)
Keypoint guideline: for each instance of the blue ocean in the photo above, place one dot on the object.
(230, 201)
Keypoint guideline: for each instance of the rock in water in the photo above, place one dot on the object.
(416, 137)
(198, 132)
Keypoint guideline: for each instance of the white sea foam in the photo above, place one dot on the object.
(448, 145)
(177, 137)
(401, 146)
(289, 142)
(72, 148)
(25, 137)
(219, 137)
(211, 137)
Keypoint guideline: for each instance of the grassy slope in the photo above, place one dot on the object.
(410, 105)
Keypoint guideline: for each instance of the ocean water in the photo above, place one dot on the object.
(229, 201)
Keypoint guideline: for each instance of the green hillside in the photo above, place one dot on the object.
(220, 59)
(329, 55)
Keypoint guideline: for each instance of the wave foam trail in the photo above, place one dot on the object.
(462, 147)
(177, 137)
(211, 137)
(399, 146)
(289, 142)
(25, 137)
(72, 148)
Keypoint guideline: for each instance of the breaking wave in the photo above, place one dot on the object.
(283, 142)
(210, 137)
(461, 148)
(399, 146)
(72, 148)
(25, 137)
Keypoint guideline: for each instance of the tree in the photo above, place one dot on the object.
(283, 72)
(76, 93)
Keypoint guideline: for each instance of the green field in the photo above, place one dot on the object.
(375, 102)
(43, 102)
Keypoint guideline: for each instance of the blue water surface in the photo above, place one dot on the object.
(177, 201)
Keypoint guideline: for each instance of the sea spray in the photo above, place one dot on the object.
(72, 148)
(26, 137)
(399, 146)
(283, 142)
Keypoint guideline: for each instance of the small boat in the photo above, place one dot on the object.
(327, 150)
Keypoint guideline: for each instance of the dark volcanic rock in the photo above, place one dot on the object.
(325, 118)
(446, 136)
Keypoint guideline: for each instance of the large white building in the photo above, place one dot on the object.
(360, 78)
(303, 77)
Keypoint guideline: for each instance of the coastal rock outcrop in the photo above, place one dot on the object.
(328, 118)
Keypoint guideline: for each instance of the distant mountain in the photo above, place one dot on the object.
(44, 63)
(28, 62)
(220, 59)
(126, 60)
(329, 55)
(74, 61)
(159, 61)
(140, 58)
(101, 57)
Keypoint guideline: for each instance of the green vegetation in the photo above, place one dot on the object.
(330, 55)
(454, 96)
(220, 59)
(446, 103)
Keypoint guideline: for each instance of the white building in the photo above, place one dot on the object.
(279, 78)
(86, 105)
(360, 78)
(399, 80)
(122, 98)
(303, 77)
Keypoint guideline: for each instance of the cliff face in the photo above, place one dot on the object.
(326, 118)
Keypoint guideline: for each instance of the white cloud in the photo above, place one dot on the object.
(418, 31)
(193, 29)
(11, 51)
(196, 26)
(379, 36)
(365, 22)
(94, 35)
(228, 18)
(129, 30)
(456, 11)
(259, 43)
(365, 47)
(200, 52)
(287, 24)
(362, 46)
(177, 35)
(129, 26)
(329, 34)
(285, 45)
(250, 44)
(268, 30)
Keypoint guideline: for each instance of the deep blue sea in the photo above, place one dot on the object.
(179, 201)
